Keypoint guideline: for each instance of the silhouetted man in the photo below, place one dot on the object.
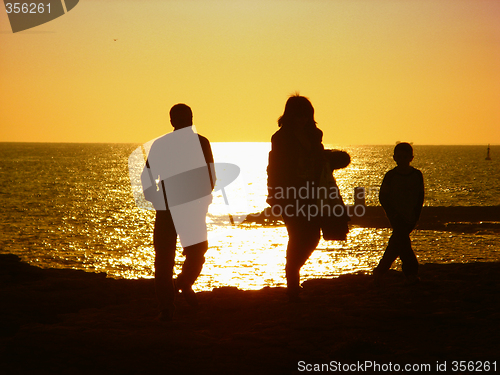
(178, 179)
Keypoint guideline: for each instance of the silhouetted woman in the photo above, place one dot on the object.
(295, 164)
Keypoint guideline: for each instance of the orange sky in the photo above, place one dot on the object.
(425, 71)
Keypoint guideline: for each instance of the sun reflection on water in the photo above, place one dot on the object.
(251, 257)
(78, 212)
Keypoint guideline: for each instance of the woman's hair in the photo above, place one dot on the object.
(297, 106)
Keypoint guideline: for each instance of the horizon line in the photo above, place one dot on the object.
(325, 143)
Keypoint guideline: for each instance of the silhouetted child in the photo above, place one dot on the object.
(402, 196)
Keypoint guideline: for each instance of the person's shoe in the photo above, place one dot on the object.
(294, 298)
(294, 294)
(376, 277)
(187, 292)
(166, 315)
(176, 288)
(190, 297)
(412, 280)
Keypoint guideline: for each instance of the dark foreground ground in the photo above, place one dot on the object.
(71, 322)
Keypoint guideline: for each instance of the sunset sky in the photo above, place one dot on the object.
(425, 71)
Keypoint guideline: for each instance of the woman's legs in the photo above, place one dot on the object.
(303, 238)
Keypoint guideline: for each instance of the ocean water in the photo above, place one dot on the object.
(71, 206)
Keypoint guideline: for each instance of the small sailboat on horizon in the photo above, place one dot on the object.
(488, 157)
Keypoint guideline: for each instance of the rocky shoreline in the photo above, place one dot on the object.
(56, 321)
(454, 219)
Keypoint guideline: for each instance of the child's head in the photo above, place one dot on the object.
(403, 154)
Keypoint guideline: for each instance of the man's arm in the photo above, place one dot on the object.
(151, 190)
(209, 159)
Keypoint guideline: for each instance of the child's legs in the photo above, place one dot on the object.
(408, 258)
(390, 255)
(399, 246)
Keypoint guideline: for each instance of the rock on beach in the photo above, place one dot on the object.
(56, 321)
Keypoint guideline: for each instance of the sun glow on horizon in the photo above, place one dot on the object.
(379, 71)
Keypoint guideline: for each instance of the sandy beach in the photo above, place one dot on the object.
(57, 321)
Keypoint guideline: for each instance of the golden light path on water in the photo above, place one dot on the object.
(248, 256)
(251, 256)
(92, 223)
